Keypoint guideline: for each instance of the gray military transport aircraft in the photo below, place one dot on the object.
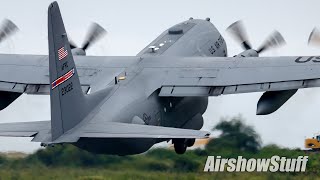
(125, 105)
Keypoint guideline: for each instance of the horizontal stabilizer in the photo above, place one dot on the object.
(24, 129)
(18, 134)
(124, 130)
(40, 130)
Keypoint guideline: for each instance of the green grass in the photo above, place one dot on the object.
(69, 162)
(101, 174)
(156, 164)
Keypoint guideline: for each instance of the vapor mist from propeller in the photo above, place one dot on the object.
(238, 32)
(95, 33)
(7, 29)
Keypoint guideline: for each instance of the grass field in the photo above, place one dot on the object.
(101, 174)
(156, 164)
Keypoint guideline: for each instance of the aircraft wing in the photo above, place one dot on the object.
(30, 73)
(124, 130)
(213, 76)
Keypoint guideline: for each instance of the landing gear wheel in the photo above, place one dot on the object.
(190, 142)
(180, 146)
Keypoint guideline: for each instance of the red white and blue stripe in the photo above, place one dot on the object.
(63, 78)
(62, 53)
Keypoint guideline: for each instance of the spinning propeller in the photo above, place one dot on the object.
(95, 33)
(238, 31)
(314, 38)
(7, 29)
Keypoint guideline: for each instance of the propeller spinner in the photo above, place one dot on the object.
(238, 32)
(95, 33)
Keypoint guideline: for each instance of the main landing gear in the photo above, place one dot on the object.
(180, 145)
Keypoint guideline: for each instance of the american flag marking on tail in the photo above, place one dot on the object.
(62, 53)
(63, 78)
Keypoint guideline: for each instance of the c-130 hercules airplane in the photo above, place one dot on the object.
(125, 105)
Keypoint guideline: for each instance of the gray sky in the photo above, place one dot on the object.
(131, 25)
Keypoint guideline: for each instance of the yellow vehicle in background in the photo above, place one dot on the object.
(313, 143)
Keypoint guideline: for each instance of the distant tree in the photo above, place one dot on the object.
(235, 135)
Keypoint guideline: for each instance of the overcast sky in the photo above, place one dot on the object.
(131, 25)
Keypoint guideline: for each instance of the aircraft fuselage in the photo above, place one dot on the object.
(133, 101)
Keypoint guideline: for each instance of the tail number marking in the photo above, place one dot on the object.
(66, 89)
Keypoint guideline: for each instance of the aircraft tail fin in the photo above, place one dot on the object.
(66, 96)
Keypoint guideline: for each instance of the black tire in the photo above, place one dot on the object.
(190, 142)
(180, 146)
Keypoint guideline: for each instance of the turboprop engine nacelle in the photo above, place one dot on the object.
(271, 101)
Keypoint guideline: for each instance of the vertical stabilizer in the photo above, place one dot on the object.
(66, 96)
